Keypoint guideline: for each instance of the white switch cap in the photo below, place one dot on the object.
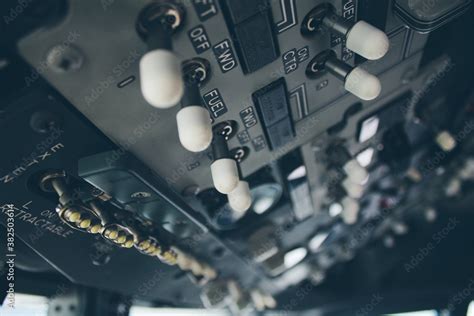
(194, 128)
(161, 79)
(240, 198)
(446, 141)
(258, 300)
(354, 190)
(363, 84)
(355, 172)
(225, 175)
(367, 41)
(351, 211)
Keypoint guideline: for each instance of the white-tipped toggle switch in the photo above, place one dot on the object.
(194, 128)
(446, 141)
(225, 175)
(363, 84)
(350, 211)
(361, 37)
(194, 120)
(355, 172)
(240, 198)
(354, 190)
(367, 41)
(224, 169)
(161, 79)
(356, 80)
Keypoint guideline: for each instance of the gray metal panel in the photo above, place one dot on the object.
(107, 38)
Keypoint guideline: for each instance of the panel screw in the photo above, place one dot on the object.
(62, 59)
(140, 195)
(43, 122)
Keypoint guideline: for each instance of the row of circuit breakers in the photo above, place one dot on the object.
(167, 81)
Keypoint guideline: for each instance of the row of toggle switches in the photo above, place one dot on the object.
(160, 67)
(361, 38)
(166, 81)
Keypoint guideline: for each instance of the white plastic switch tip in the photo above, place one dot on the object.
(258, 300)
(240, 198)
(367, 41)
(355, 172)
(161, 79)
(354, 190)
(363, 84)
(351, 211)
(194, 128)
(225, 175)
(446, 141)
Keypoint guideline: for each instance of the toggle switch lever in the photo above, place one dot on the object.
(225, 174)
(340, 156)
(194, 121)
(240, 199)
(351, 210)
(361, 37)
(160, 69)
(356, 80)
